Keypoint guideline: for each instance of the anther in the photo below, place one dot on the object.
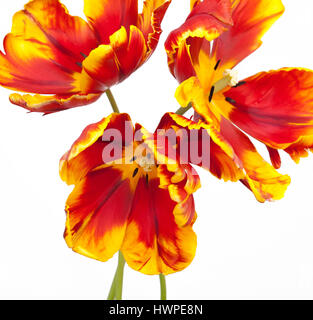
(135, 172)
(217, 64)
(82, 54)
(232, 77)
(239, 84)
(230, 100)
(211, 93)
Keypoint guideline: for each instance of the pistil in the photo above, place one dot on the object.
(230, 79)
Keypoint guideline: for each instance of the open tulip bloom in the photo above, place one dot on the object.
(133, 190)
(68, 62)
(274, 107)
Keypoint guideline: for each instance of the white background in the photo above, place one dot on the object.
(246, 250)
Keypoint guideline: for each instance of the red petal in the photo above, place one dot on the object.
(67, 35)
(86, 152)
(45, 49)
(109, 16)
(101, 65)
(276, 108)
(275, 157)
(208, 20)
(112, 63)
(222, 161)
(97, 212)
(50, 104)
(130, 51)
(251, 20)
(263, 180)
(154, 243)
(232, 157)
(149, 22)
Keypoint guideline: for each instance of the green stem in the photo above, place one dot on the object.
(163, 286)
(117, 283)
(181, 111)
(111, 295)
(119, 276)
(112, 101)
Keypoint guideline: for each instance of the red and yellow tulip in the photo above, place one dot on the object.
(274, 107)
(68, 62)
(129, 200)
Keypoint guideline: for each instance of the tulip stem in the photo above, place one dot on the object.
(163, 286)
(181, 111)
(112, 101)
(117, 283)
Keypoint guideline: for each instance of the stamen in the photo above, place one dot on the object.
(239, 84)
(211, 93)
(133, 159)
(232, 75)
(82, 54)
(230, 79)
(217, 64)
(135, 172)
(146, 164)
(79, 64)
(230, 100)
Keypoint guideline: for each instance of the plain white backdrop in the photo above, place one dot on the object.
(246, 250)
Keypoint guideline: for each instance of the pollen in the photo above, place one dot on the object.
(232, 76)
(146, 163)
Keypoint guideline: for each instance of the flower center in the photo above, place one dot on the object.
(146, 163)
(230, 79)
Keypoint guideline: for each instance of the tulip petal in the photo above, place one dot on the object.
(130, 51)
(51, 104)
(236, 28)
(232, 157)
(87, 151)
(181, 181)
(97, 212)
(220, 9)
(204, 26)
(69, 35)
(108, 16)
(101, 65)
(261, 178)
(153, 242)
(114, 62)
(191, 91)
(251, 20)
(149, 21)
(222, 163)
(276, 108)
(41, 54)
